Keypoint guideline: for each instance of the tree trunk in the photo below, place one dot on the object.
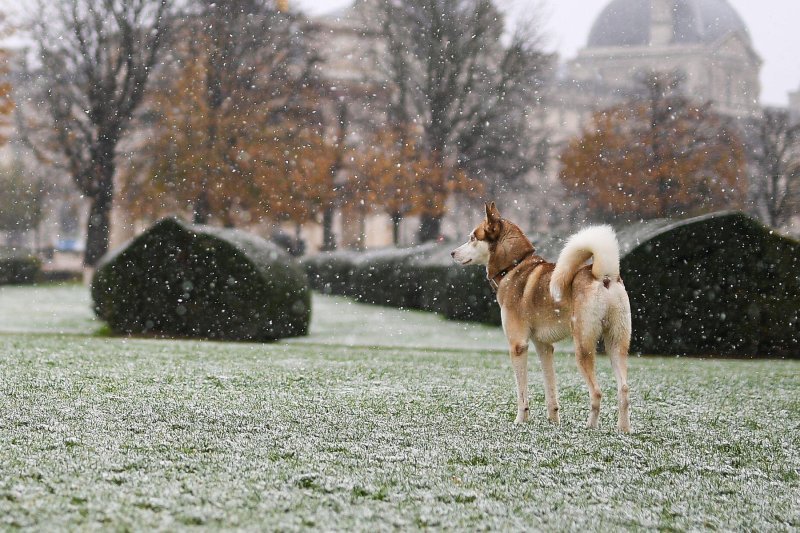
(328, 236)
(99, 224)
(430, 227)
(397, 218)
(201, 209)
(773, 199)
(37, 239)
(362, 232)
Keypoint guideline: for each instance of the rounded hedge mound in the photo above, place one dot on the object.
(422, 277)
(187, 280)
(720, 284)
(18, 268)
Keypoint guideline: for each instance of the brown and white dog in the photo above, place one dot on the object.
(545, 303)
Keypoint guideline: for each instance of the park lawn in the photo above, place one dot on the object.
(379, 419)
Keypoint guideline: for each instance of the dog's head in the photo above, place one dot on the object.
(478, 249)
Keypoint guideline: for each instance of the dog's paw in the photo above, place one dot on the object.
(594, 419)
(553, 416)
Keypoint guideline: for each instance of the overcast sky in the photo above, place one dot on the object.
(774, 26)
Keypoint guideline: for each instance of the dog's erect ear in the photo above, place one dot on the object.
(492, 214)
(493, 222)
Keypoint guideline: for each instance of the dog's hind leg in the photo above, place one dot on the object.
(618, 353)
(587, 327)
(617, 340)
(545, 352)
(617, 337)
(584, 355)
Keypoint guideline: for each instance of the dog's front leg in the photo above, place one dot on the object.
(545, 352)
(517, 335)
(519, 362)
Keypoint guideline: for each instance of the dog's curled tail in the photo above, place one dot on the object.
(598, 242)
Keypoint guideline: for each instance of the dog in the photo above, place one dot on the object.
(544, 303)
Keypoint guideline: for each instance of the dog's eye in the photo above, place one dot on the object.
(471, 238)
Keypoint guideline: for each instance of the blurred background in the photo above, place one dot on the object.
(364, 124)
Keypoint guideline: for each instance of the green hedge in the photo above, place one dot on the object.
(18, 268)
(422, 277)
(718, 285)
(721, 285)
(198, 281)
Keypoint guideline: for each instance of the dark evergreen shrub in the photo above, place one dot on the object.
(18, 268)
(61, 276)
(721, 285)
(391, 276)
(198, 281)
(423, 277)
(434, 291)
(469, 296)
(457, 292)
(331, 272)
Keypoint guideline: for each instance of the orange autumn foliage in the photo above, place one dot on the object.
(385, 174)
(657, 157)
(242, 160)
(299, 185)
(402, 179)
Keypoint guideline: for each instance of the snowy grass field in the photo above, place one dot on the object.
(380, 419)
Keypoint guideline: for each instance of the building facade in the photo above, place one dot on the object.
(705, 41)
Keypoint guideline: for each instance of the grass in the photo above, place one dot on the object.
(380, 419)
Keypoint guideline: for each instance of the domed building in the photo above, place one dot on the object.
(705, 40)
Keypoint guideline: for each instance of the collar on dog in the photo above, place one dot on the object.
(494, 281)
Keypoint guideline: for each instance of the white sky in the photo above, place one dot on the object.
(773, 27)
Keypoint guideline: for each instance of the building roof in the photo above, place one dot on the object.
(627, 23)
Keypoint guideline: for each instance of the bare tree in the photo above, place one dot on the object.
(340, 147)
(468, 93)
(775, 152)
(256, 63)
(95, 60)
